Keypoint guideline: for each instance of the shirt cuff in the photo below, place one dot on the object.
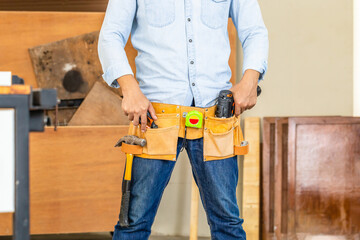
(114, 72)
(262, 69)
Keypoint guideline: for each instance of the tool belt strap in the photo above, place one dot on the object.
(133, 149)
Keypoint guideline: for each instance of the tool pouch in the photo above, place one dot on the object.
(161, 142)
(222, 137)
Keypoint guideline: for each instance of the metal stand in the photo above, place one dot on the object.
(29, 116)
(22, 120)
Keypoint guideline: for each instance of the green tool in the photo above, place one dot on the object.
(194, 119)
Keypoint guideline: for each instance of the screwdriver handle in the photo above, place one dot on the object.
(150, 121)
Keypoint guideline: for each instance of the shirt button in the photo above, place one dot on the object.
(189, 19)
(190, 40)
(191, 62)
(193, 84)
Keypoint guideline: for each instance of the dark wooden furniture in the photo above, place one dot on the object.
(267, 179)
(311, 183)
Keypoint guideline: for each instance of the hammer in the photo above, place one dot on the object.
(125, 199)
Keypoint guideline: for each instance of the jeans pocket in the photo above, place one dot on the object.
(160, 13)
(214, 13)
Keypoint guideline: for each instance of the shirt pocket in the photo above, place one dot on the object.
(214, 13)
(160, 13)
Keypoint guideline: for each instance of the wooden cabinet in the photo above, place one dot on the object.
(315, 181)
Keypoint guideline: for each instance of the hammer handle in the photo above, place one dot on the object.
(126, 192)
(125, 203)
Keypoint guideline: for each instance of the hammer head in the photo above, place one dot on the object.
(132, 140)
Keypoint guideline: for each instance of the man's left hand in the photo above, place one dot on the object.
(245, 92)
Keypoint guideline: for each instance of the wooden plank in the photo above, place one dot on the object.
(71, 66)
(75, 180)
(194, 211)
(15, 89)
(268, 179)
(323, 177)
(63, 117)
(251, 179)
(100, 107)
(54, 5)
(232, 59)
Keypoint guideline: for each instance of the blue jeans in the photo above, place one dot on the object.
(217, 181)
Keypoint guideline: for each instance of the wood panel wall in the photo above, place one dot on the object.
(54, 5)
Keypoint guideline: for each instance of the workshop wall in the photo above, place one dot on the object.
(310, 59)
(310, 73)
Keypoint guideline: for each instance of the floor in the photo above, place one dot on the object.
(93, 236)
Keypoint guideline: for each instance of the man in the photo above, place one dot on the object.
(183, 51)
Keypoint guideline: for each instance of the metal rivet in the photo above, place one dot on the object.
(205, 128)
(177, 115)
(206, 109)
(184, 114)
(163, 111)
(205, 117)
(189, 19)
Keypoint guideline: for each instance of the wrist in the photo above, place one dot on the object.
(251, 75)
(127, 84)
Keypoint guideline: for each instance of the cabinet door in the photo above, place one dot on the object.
(323, 177)
(267, 177)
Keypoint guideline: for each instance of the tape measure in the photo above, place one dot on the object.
(194, 119)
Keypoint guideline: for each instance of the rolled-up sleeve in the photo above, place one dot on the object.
(113, 36)
(253, 35)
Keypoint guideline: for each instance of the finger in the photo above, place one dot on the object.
(242, 109)
(143, 122)
(152, 112)
(251, 106)
(136, 119)
(131, 116)
(237, 110)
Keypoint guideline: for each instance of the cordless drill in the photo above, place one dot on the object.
(225, 103)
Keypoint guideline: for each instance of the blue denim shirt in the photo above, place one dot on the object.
(183, 46)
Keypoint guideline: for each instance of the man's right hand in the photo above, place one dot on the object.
(134, 103)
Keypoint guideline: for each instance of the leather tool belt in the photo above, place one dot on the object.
(222, 136)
